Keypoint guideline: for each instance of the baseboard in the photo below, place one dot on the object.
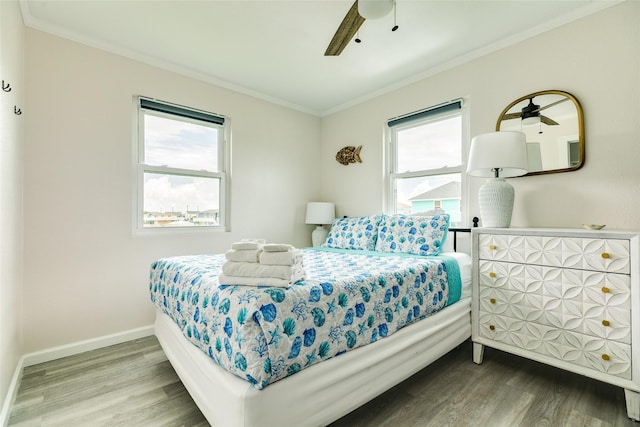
(58, 352)
(11, 393)
(87, 345)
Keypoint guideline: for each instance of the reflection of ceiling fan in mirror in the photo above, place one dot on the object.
(560, 143)
(530, 114)
(355, 17)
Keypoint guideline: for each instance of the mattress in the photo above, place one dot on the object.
(348, 300)
(324, 392)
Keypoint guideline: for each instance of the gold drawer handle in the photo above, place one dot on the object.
(605, 255)
(493, 301)
(492, 247)
(605, 323)
(605, 290)
(492, 274)
(493, 328)
(605, 357)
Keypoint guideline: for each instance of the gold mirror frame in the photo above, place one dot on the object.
(553, 111)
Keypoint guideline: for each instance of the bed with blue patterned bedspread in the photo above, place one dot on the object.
(263, 334)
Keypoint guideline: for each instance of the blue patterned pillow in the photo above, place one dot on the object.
(419, 235)
(354, 233)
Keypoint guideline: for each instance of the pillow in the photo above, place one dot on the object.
(412, 234)
(432, 212)
(446, 244)
(353, 233)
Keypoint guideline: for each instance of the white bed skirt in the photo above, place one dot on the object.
(322, 393)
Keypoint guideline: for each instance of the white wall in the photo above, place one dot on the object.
(596, 58)
(11, 140)
(85, 272)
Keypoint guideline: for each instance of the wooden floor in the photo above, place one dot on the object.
(133, 384)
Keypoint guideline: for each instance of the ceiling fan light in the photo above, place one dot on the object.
(532, 120)
(374, 9)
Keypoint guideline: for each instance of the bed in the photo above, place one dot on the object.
(307, 354)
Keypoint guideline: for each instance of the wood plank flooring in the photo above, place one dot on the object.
(133, 384)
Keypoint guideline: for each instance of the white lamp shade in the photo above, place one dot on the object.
(320, 213)
(503, 151)
(373, 9)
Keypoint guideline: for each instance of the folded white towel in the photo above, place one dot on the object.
(278, 247)
(281, 258)
(251, 269)
(246, 246)
(223, 279)
(247, 255)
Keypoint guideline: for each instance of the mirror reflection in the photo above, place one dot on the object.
(553, 123)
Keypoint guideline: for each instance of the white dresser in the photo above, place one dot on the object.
(565, 297)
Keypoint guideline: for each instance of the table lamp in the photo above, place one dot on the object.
(497, 155)
(320, 213)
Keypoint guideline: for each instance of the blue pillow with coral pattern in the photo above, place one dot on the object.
(358, 233)
(418, 235)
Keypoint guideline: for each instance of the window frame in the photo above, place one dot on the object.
(140, 167)
(428, 115)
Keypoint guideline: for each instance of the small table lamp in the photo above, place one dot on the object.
(320, 213)
(497, 155)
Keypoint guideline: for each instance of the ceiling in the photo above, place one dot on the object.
(275, 49)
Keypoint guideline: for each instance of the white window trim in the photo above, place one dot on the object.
(389, 162)
(139, 169)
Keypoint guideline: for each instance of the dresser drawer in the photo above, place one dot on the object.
(611, 255)
(602, 355)
(589, 302)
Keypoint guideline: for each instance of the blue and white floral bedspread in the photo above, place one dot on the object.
(264, 334)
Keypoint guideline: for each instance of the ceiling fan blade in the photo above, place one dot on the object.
(549, 105)
(345, 32)
(547, 121)
(552, 104)
(512, 116)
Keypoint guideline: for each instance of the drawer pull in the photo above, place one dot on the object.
(605, 255)
(493, 328)
(605, 290)
(605, 357)
(493, 301)
(492, 274)
(492, 247)
(605, 323)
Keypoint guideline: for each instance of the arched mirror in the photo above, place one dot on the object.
(553, 122)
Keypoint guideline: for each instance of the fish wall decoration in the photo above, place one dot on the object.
(349, 154)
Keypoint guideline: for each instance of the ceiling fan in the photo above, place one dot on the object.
(355, 17)
(530, 114)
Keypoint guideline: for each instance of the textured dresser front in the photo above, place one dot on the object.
(565, 298)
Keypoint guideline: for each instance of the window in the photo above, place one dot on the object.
(182, 171)
(424, 167)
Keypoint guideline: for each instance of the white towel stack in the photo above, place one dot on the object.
(276, 254)
(244, 252)
(252, 264)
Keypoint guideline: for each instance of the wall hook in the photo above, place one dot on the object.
(6, 87)
(17, 111)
